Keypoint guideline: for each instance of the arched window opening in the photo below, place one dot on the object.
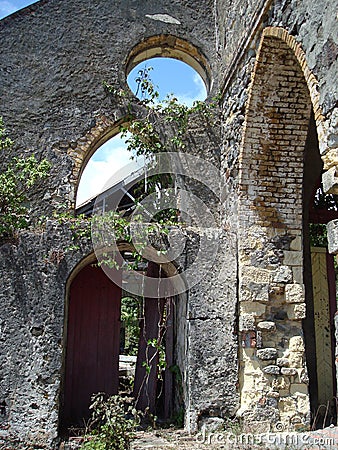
(110, 164)
(169, 76)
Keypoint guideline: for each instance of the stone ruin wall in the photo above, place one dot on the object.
(270, 202)
(55, 56)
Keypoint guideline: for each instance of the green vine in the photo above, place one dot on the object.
(141, 135)
(17, 181)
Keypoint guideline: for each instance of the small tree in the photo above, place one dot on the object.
(17, 181)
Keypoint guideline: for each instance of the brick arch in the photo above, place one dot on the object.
(277, 117)
(169, 46)
(327, 154)
(311, 81)
(271, 290)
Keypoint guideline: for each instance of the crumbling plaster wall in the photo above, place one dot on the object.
(55, 56)
(312, 37)
(34, 273)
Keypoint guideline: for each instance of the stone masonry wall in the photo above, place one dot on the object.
(34, 272)
(55, 55)
(270, 250)
(268, 194)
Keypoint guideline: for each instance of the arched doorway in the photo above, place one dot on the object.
(279, 166)
(94, 358)
(320, 286)
(93, 342)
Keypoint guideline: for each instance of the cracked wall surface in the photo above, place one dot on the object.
(241, 342)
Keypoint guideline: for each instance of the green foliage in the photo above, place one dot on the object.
(318, 235)
(113, 422)
(158, 344)
(80, 227)
(130, 312)
(111, 228)
(144, 138)
(16, 184)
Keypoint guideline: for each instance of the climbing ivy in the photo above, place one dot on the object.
(17, 181)
(141, 133)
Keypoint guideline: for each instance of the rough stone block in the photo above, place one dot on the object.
(282, 362)
(304, 377)
(283, 275)
(266, 354)
(332, 236)
(273, 394)
(296, 344)
(299, 388)
(332, 142)
(289, 371)
(297, 274)
(266, 326)
(303, 404)
(281, 384)
(255, 308)
(255, 273)
(276, 290)
(287, 405)
(247, 322)
(295, 293)
(330, 181)
(296, 359)
(296, 244)
(293, 258)
(296, 311)
(272, 370)
(212, 424)
(256, 292)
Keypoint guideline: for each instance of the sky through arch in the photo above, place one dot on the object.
(169, 76)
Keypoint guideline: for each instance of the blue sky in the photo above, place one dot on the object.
(170, 77)
(9, 6)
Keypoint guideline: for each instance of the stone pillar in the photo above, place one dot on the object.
(332, 236)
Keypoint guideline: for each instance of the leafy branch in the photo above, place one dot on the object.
(17, 181)
(144, 138)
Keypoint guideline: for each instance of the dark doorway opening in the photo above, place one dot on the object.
(106, 354)
(320, 287)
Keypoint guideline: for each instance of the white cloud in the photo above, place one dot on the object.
(199, 92)
(111, 163)
(97, 173)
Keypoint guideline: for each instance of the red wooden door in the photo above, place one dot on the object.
(93, 342)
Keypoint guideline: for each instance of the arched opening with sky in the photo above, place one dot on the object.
(169, 77)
